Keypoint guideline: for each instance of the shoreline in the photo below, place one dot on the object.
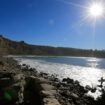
(50, 89)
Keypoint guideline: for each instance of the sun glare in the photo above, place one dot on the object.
(96, 10)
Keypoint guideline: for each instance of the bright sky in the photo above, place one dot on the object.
(50, 22)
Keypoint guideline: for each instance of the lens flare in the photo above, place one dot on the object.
(96, 10)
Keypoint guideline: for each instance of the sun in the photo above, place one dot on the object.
(96, 10)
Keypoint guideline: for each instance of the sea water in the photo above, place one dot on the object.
(86, 70)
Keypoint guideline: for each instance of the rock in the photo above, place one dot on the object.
(48, 94)
(75, 96)
(9, 94)
(1, 63)
(64, 94)
(23, 64)
(32, 92)
(68, 80)
(41, 80)
(64, 80)
(77, 83)
(43, 74)
(93, 90)
(50, 101)
(88, 87)
(19, 77)
(47, 87)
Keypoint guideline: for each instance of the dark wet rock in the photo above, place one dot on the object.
(55, 79)
(67, 80)
(88, 87)
(9, 94)
(93, 90)
(18, 66)
(1, 63)
(24, 65)
(32, 90)
(32, 69)
(75, 96)
(45, 75)
(71, 92)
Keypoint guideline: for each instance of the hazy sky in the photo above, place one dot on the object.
(50, 22)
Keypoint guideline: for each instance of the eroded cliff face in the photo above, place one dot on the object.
(3, 46)
(12, 47)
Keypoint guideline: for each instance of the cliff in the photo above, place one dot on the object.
(8, 46)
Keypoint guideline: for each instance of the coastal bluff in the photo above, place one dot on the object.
(10, 47)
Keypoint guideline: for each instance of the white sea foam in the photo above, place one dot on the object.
(86, 75)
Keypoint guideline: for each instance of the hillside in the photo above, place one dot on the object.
(8, 46)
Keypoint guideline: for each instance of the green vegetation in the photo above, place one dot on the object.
(21, 48)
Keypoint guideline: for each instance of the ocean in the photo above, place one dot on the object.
(87, 70)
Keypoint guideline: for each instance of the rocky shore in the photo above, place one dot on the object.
(23, 85)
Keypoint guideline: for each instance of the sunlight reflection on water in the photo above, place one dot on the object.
(93, 62)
